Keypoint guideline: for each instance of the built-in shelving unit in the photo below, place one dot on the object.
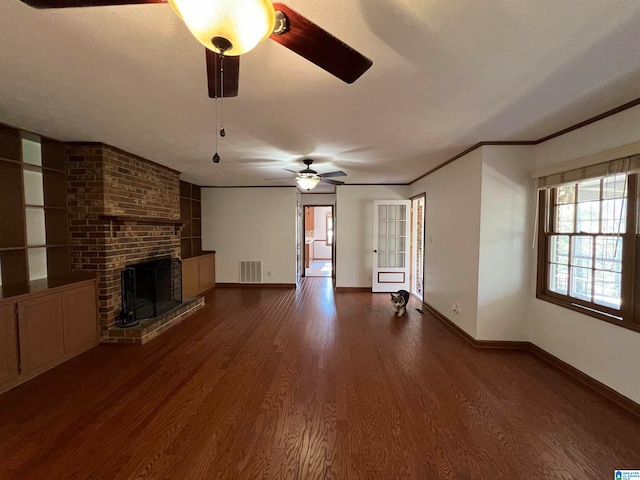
(191, 218)
(34, 220)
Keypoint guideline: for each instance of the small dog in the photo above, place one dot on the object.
(400, 300)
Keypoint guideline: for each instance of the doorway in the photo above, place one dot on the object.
(319, 241)
(417, 245)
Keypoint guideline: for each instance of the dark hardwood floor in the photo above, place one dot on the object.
(275, 383)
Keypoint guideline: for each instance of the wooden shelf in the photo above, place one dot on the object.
(190, 212)
(33, 169)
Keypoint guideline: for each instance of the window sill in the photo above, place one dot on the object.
(589, 312)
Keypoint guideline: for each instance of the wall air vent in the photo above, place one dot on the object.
(250, 271)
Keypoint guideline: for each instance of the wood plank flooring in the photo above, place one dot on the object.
(276, 383)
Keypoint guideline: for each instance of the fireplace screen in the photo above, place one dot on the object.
(150, 289)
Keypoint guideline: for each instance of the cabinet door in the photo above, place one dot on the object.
(79, 317)
(190, 277)
(207, 267)
(308, 221)
(41, 331)
(8, 343)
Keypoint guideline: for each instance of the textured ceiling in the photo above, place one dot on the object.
(446, 74)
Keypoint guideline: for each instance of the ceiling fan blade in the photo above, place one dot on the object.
(338, 173)
(320, 47)
(231, 74)
(292, 171)
(332, 182)
(85, 3)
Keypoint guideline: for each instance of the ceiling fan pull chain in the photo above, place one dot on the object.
(216, 157)
(222, 132)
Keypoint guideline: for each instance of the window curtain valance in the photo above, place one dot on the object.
(598, 170)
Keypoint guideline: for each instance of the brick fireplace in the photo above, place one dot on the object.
(123, 210)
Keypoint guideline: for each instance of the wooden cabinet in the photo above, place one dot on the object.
(48, 326)
(8, 343)
(198, 274)
(78, 308)
(308, 219)
(40, 331)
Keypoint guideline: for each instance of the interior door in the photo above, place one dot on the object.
(391, 259)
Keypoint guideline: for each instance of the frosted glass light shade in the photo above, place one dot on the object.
(244, 23)
(307, 183)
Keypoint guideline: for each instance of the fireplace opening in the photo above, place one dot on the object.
(150, 289)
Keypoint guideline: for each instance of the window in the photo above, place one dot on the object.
(587, 244)
(329, 225)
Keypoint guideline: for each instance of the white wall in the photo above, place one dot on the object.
(320, 248)
(318, 198)
(251, 224)
(505, 243)
(354, 230)
(452, 234)
(608, 353)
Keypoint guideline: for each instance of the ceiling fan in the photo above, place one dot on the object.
(229, 28)
(307, 179)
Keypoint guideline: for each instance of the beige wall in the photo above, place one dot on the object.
(452, 233)
(251, 224)
(506, 229)
(354, 230)
(603, 351)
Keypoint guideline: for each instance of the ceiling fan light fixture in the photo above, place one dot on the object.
(307, 182)
(242, 23)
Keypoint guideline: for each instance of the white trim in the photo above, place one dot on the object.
(613, 154)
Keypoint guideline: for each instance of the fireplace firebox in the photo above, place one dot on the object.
(150, 289)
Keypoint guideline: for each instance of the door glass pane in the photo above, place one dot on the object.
(382, 244)
(400, 260)
(401, 228)
(382, 260)
(392, 228)
(392, 212)
(391, 244)
(402, 212)
(401, 242)
(382, 228)
(382, 212)
(391, 260)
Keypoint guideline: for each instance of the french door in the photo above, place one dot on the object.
(391, 245)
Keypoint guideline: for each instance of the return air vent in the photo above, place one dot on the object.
(250, 271)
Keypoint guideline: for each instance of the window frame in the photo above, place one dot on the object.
(329, 238)
(628, 316)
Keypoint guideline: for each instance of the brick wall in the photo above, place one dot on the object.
(122, 210)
